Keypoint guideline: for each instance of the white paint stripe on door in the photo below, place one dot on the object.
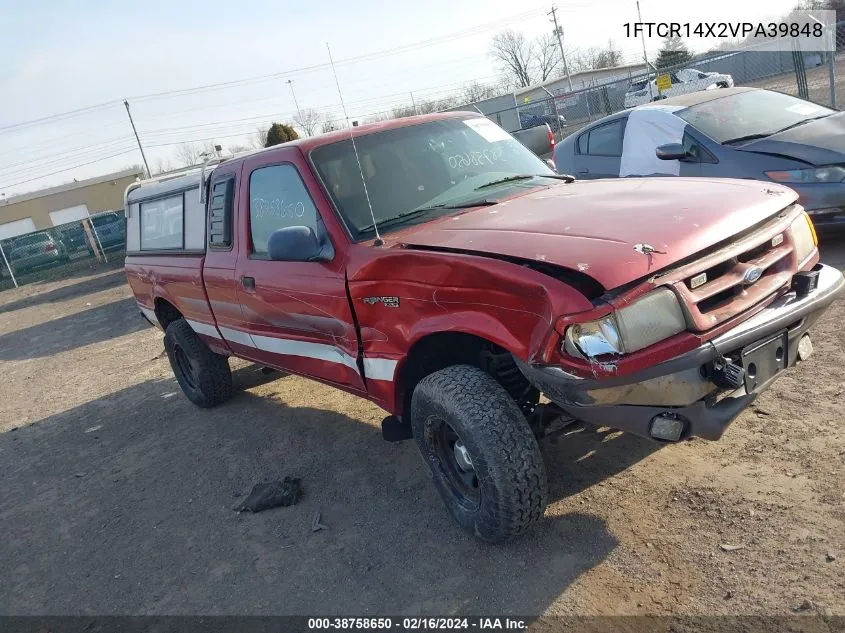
(203, 328)
(236, 336)
(374, 368)
(289, 347)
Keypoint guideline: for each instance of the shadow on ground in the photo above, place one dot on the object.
(75, 330)
(125, 505)
(87, 285)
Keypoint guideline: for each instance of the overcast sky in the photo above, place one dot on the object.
(59, 57)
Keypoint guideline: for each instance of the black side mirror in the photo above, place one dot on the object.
(671, 151)
(296, 244)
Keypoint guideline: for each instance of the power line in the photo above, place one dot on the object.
(61, 171)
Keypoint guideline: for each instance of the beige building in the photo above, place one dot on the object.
(65, 203)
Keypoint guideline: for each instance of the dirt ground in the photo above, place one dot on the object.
(117, 494)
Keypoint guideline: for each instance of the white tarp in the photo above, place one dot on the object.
(71, 214)
(647, 129)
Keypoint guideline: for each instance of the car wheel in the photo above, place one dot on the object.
(205, 377)
(480, 451)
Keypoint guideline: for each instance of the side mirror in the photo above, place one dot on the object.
(551, 165)
(671, 151)
(295, 244)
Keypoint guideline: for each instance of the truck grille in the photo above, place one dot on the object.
(738, 276)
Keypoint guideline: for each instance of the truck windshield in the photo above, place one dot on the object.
(437, 166)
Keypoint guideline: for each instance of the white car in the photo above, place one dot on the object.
(683, 81)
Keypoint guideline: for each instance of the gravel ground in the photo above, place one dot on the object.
(118, 494)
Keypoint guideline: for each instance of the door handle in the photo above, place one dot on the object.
(583, 171)
(248, 283)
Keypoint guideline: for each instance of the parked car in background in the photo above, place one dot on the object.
(35, 250)
(111, 231)
(532, 119)
(683, 82)
(734, 133)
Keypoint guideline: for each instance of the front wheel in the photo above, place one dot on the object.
(481, 452)
(204, 376)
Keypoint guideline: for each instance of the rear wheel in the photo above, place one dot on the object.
(204, 376)
(481, 453)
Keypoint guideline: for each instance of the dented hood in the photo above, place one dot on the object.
(593, 226)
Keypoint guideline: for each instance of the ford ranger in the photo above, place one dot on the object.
(437, 267)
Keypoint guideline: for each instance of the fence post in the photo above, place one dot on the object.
(8, 267)
(87, 226)
(557, 114)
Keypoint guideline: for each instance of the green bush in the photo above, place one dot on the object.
(280, 133)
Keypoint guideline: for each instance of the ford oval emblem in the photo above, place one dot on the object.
(752, 274)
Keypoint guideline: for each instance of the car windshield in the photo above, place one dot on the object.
(436, 166)
(635, 87)
(757, 114)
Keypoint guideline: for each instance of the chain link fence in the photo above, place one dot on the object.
(812, 75)
(63, 250)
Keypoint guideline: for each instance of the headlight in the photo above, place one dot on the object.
(655, 317)
(804, 238)
(817, 174)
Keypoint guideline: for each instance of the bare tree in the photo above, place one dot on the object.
(238, 149)
(476, 91)
(515, 54)
(193, 153)
(258, 139)
(331, 123)
(308, 119)
(595, 58)
(547, 55)
(160, 166)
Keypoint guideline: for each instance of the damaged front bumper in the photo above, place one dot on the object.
(688, 389)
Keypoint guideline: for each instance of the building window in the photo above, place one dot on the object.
(162, 223)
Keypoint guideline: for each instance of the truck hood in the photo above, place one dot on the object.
(819, 142)
(593, 226)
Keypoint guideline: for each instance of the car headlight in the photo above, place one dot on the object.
(655, 317)
(804, 238)
(814, 175)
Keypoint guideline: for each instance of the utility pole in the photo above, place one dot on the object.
(414, 103)
(559, 32)
(137, 138)
(645, 55)
(296, 103)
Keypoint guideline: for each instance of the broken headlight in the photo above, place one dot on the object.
(655, 317)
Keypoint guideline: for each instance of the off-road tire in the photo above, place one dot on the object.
(506, 459)
(207, 379)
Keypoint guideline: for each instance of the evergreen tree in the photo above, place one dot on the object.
(280, 133)
(673, 53)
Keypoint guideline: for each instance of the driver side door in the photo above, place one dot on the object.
(297, 313)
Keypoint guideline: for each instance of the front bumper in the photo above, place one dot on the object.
(680, 387)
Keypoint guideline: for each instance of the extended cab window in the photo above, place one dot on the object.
(605, 140)
(162, 223)
(277, 199)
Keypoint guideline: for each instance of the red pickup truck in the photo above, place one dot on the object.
(438, 268)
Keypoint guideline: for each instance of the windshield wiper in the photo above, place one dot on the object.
(413, 213)
(748, 137)
(752, 137)
(564, 177)
(789, 127)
